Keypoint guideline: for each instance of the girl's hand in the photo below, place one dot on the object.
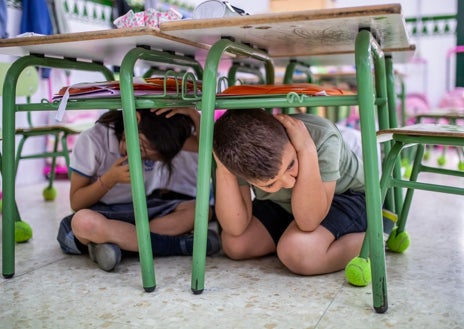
(188, 111)
(297, 132)
(118, 173)
(170, 112)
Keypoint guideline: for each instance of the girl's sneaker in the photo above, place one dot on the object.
(213, 245)
(106, 255)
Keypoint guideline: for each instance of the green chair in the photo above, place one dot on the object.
(451, 117)
(420, 135)
(27, 85)
(416, 136)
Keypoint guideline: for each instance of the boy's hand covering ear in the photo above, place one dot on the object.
(297, 132)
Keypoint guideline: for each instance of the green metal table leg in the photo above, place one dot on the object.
(8, 168)
(135, 161)
(364, 47)
(133, 150)
(16, 216)
(8, 151)
(205, 150)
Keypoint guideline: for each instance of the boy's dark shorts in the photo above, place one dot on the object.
(346, 215)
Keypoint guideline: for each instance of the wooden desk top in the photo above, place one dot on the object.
(425, 129)
(301, 34)
(307, 36)
(108, 46)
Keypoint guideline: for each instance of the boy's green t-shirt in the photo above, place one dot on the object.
(336, 161)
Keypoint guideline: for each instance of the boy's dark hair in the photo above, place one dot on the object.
(250, 143)
(165, 135)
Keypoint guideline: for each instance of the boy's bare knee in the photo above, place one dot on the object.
(289, 258)
(297, 260)
(233, 252)
(233, 249)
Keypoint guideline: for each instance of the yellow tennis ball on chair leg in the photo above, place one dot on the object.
(398, 242)
(461, 165)
(49, 193)
(23, 232)
(358, 272)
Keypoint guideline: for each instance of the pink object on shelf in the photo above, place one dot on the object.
(150, 17)
(170, 15)
(126, 20)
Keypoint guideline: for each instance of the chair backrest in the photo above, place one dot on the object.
(27, 85)
(28, 81)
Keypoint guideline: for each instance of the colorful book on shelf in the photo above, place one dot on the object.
(299, 88)
(147, 86)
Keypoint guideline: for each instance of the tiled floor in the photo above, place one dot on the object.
(53, 290)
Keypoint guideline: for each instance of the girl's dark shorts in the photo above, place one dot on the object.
(159, 203)
(346, 215)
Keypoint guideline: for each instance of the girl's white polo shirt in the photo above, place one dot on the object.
(95, 151)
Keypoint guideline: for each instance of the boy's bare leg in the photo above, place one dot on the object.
(254, 242)
(317, 252)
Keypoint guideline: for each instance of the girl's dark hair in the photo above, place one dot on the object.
(250, 143)
(165, 135)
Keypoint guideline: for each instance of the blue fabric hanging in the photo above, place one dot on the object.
(36, 18)
(3, 20)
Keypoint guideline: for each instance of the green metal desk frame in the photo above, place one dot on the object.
(127, 102)
(8, 164)
(368, 55)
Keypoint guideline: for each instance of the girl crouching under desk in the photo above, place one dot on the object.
(103, 222)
